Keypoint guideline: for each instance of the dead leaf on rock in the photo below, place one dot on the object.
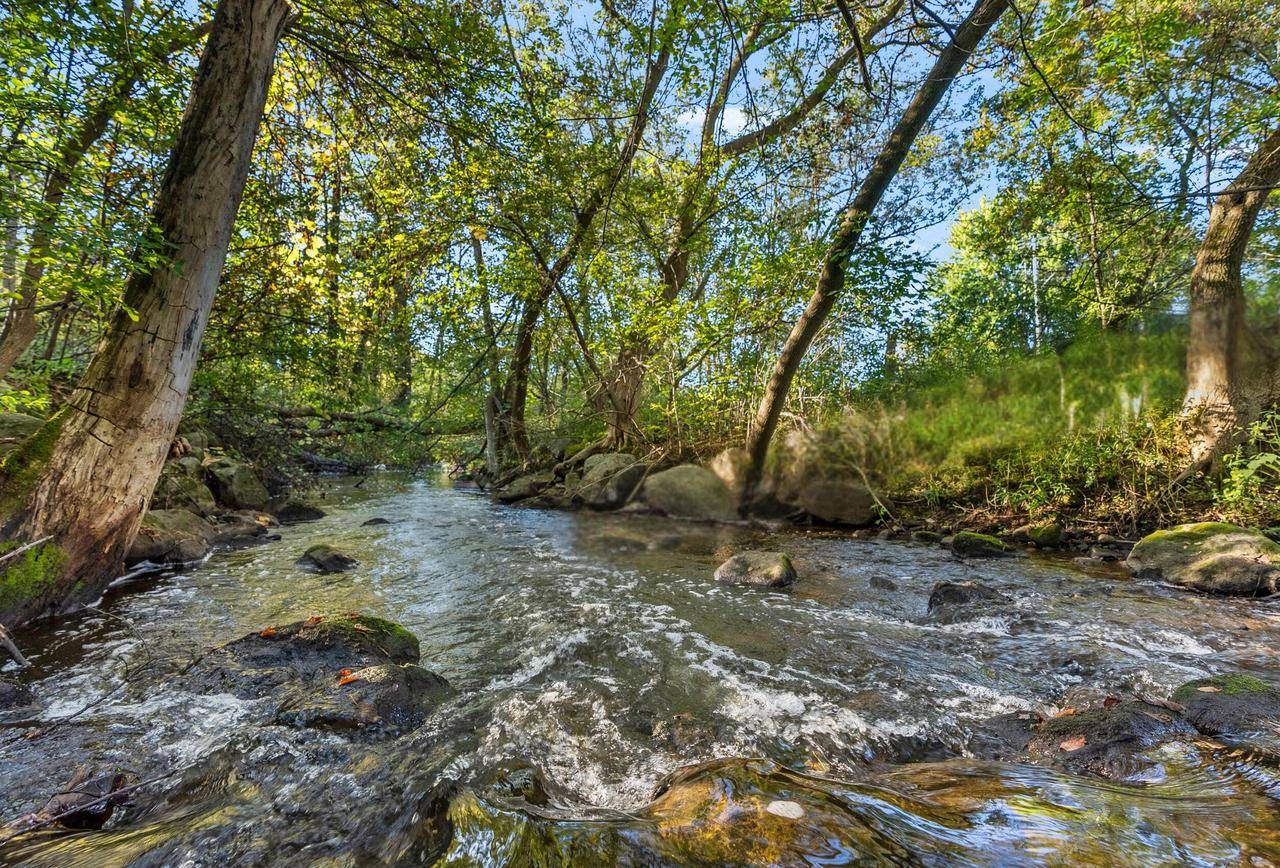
(268, 633)
(1073, 744)
(1209, 688)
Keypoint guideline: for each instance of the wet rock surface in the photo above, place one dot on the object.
(758, 569)
(1234, 704)
(1107, 742)
(342, 672)
(324, 558)
(171, 536)
(950, 602)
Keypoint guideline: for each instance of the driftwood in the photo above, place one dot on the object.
(7, 642)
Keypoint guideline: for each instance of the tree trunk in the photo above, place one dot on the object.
(403, 329)
(493, 446)
(625, 378)
(86, 477)
(831, 279)
(1231, 370)
(517, 388)
(20, 323)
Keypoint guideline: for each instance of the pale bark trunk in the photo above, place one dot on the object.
(114, 433)
(517, 388)
(831, 279)
(492, 403)
(1231, 370)
(20, 324)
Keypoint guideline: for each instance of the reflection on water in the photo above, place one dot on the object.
(592, 655)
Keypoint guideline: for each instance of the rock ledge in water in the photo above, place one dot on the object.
(325, 558)
(1230, 704)
(758, 568)
(1210, 556)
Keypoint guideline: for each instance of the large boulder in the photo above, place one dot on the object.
(608, 480)
(236, 485)
(731, 465)
(14, 428)
(836, 501)
(345, 672)
(1213, 557)
(171, 536)
(180, 488)
(1106, 742)
(294, 510)
(1230, 704)
(689, 491)
(758, 568)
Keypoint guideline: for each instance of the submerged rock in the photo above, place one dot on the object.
(324, 558)
(236, 485)
(171, 536)
(14, 695)
(375, 522)
(394, 696)
(968, 544)
(689, 491)
(608, 480)
(930, 537)
(1213, 557)
(836, 501)
(295, 510)
(961, 601)
(1234, 704)
(85, 803)
(759, 568)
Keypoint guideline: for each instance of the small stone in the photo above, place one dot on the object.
(787, 809)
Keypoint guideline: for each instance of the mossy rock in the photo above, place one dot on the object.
(180, 488)
(968, 544)
(236, 485)
(390, 697)
(525, 487)
(1233, 704)
(1214, 557)
(295, 510)
(1107, 742)
(930, 537)
(608, 480)
(1045, 535)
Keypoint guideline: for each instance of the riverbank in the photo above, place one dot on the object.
(605, 689)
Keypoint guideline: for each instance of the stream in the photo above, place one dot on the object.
(592, 654)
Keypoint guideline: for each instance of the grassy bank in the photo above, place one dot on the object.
(1089, 436)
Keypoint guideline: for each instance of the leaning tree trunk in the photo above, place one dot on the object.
(831, 279)
(517, 388)
(85, 479)
(1231, 371)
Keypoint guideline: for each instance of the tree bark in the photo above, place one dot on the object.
(831, 278)
(625, 377)
(106, 447)
(1231, 370)
(20, 323)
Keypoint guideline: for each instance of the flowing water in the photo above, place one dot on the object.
(592, 654)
